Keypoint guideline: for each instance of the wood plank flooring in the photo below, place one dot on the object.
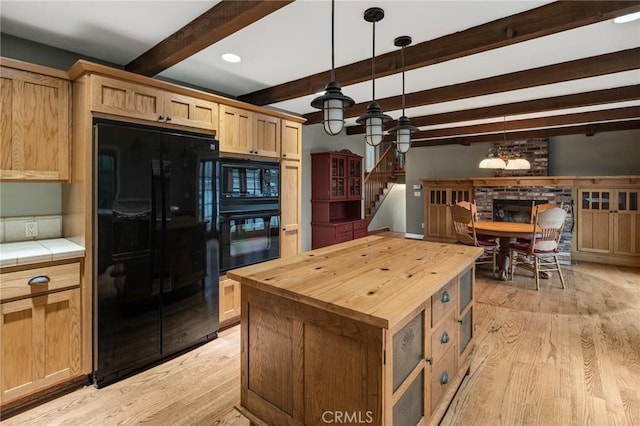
(552, 357)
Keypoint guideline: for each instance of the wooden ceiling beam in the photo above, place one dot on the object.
(624, 60)
(222, 20)
(539, 22)
(583, 129)
(576, 100)
(613, 114)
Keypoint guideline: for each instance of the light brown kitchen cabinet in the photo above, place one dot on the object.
(291, 140)
(290, 207)
(236, 130)
(229, 301)
(119, 97)
(35, 136)
(609, 220)
(40, 327)
(266, 135)
(437, 218)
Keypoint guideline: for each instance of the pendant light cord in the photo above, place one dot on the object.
(333, 66)
(402, 81)
(373, 63)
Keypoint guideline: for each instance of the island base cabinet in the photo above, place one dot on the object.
(295, 350)
(40, 343)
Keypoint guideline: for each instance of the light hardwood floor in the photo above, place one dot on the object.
(552, 357)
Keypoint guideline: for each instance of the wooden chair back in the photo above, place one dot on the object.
(463, 226)
(541, 208)
(469, 206)
(548, 226)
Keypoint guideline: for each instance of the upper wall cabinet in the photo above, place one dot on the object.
(35, 115)
(291, 140)
(246, 132)
(118, 97)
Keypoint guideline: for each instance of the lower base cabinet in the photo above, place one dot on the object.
(356, 372)
(39, 334)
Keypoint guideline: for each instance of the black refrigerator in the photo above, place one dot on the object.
(156, 265)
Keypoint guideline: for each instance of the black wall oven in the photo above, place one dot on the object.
(249, 215)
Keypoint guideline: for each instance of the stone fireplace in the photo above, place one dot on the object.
(491, 200)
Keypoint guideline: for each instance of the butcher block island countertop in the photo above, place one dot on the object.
(376, 330)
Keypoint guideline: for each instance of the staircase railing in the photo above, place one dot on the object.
(377, 179)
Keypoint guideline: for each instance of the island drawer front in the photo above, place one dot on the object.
(44, 279)
(442, 302)
(443, 374)
(443, 338)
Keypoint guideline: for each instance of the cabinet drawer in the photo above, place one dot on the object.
(442, 302)
(16, 284)
(443, 374)
(343, 237)
(443, 338)
(361, 224)
(344, 228)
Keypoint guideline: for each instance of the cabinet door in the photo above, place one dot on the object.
(192, 112)
(229, 301)
(595, 220)
(354, 170)
(35, 114)
(266, 136)
(291, 140)
(338, 176)
(117, 97)
(626, 224)
(438, 218)
(236, 130)
(290, 207)
(40, 342)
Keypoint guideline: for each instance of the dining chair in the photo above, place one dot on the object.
(541, 251)
(540, 208)
(474, 211)
(465, 230)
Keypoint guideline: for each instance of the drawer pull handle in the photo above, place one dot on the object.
(445, 297)
(445, 378)
(430, 360)
(161, 118)
(40, 279)
(445, 338)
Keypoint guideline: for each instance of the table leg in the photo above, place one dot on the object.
(503, 257)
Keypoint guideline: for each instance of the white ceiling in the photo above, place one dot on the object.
(294, 42)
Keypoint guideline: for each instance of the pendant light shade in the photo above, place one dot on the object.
(404, 128)
(374, 119)
(498, 159)
(333, 102)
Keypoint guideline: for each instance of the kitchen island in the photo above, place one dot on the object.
(376, 330)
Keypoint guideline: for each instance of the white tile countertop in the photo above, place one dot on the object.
(27, 252)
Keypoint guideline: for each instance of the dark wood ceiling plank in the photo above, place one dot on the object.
(612, 114)
(624, 60)
(585, 129)
(222, 20)
(542, 21)
(576, 100)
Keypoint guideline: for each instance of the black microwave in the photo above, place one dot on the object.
(245, 179)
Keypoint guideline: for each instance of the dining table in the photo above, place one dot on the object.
(507, 233)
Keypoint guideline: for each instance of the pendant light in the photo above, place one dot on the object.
(404, 128)
(333, 102)
(374, 118)
(498, 159)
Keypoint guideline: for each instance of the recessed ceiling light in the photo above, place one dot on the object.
(627, 18)
(230, 57)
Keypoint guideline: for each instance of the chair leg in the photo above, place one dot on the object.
(536, 271)
(559, 271)
(511, 264)
(494, 259)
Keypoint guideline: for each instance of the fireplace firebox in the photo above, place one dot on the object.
(514, 210)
